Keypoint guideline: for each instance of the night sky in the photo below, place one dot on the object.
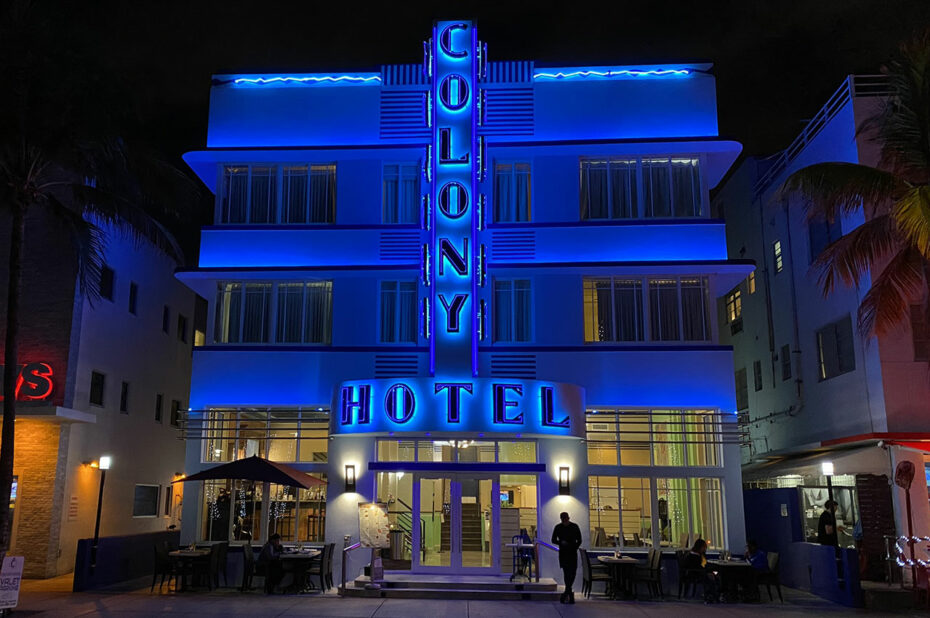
(776, 61)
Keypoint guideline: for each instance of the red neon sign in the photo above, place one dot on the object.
(34, 382)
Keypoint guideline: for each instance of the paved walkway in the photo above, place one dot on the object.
(52, 598)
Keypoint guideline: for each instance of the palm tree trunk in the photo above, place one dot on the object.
(10, 366)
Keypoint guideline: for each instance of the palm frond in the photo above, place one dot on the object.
(853, 255)
(832, 189)
(912, 213)
(886, 305)
(89, 246)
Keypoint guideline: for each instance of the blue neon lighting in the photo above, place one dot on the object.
(312, 79)
(611, 73)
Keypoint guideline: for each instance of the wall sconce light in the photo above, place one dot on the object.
(564, 487)
(350, 478)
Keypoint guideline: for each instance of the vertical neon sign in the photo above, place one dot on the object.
(453, 340)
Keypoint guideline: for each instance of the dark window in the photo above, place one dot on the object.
(182, 328)
(169, 500)
(785, 362)
(145, 501)
(757, 375)
(835, 351)
(175, 413)
(512, 310)
(124, 398)
(511, 192)
(398, 311)
(105, 285)
(822, 234)
(97, 381)
(742, 390)
(400, 193)
(166, 319)
(133, 297)
(920, 332)
(159, 402)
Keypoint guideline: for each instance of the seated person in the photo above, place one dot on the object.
(756, 557)
(696, 560)
(270, 560)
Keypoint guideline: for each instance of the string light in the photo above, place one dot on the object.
(903, 560)
(621, 73)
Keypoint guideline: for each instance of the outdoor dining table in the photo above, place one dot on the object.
(299, 562)
(185, 558)
(517, 567)
(620, 574)
(732, 573)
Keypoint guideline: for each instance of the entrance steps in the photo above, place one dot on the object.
(469, 587)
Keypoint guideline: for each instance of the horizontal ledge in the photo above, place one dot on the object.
(439, 466)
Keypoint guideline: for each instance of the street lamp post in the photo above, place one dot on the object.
(104, 465)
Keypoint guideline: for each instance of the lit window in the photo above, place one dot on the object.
(511, 192)
(653, 437)
(735, 311)
(751, 282)
(776, 252)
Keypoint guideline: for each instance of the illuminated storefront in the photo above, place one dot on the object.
(476, 292)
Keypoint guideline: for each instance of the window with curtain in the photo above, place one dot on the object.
(511, 192)
(512, 310)
(672, 187)
(400, 193)
(250, 194)
(302, 312)
(695, 301)
(609, 189)
(399, 311)
(663, 310)
(613, 309)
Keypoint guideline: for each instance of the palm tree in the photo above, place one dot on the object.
(893, 244)
(58, 154)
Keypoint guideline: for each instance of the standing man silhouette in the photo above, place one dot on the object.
(567, 537)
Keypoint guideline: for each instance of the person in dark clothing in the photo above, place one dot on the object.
(696, 560)
(567, 537)
(826, 527)
(270, 560)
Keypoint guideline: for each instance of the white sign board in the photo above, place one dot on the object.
(10, 576)
(373, 525)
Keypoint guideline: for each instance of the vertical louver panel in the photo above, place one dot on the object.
(512, 72)
(403, 75)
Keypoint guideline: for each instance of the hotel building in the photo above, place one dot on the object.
(478, 293)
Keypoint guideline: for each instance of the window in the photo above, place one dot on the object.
(463, 451)
(175, 419)
(776, 252)
(260, 194)
(735, 311)
(169, 500)
(920, 332)
(757, 375)
(159, 403)
(145, 501)
(399, 312)
(244, 312)
(511, 192)
(97, 382)
(742, 389)
(166, 319)
(822, 234)
(512, 310)
(609, 189)
(105, 283)
(124, 398)
(835, 352)
(133, 296)
(654, 437)
(628, 188)
(751, 282)
(672, 187)
(182, 328)
(785, 362)
(614, 309)
(279, 434)
(400, 193)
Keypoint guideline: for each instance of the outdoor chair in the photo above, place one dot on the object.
(651, 573)
(329, 566)
(206, 569)
(219, 566)
(164, 566)
(771, 578)
(589, 575)
(688, 579)
(320, 566)
(249, 569)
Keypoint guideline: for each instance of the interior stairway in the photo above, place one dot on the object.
(472, 587)
(471, 529)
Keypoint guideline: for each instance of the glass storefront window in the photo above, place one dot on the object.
(635, 511)
(707, 511)
(667, 438)
(674, 517)
(395, 490)
(282, 435)
(634, 438)
(703, 448)
(247, 511)
(516, 452)
(220, 435)
(285, 435)
(604, 510)
(311, 513)
(469, 451)
(602, 439)
(435, 450)
(396, 450)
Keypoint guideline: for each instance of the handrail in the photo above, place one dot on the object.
(536, 545)
(345, 553)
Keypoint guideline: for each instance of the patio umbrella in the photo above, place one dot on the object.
(255, 468)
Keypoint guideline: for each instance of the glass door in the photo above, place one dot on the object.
(459, 513)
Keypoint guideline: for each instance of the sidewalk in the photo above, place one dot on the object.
(53, 598)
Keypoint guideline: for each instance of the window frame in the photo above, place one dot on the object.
(757, 382)
(778, 258)
(418, 175)
(108, 276)
(271, 321)
(277, 215)
(103, 388)
(174, 413)
(820, 339)
(182, 328)
(513, 163)
(397, 317)
(785, 362)
(530, 326)
(156, 502)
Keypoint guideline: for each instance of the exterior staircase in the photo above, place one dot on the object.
(472, 587)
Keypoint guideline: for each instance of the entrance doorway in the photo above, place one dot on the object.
(459, 531)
